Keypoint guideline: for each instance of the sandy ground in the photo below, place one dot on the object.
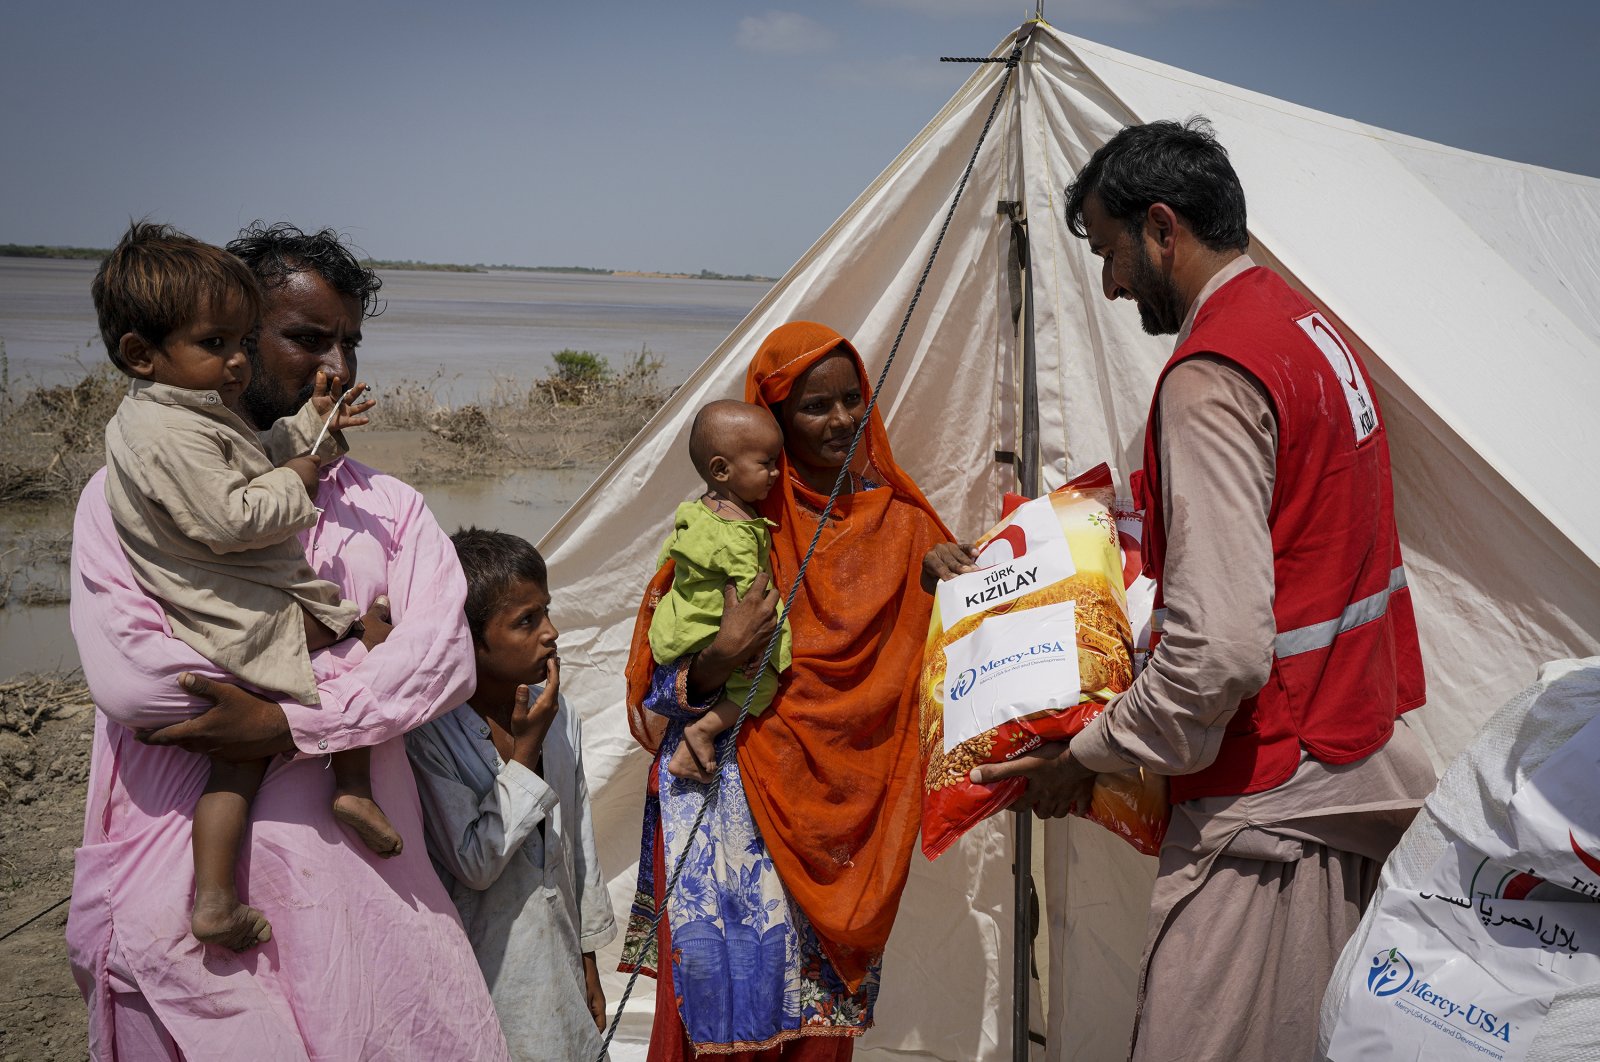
(43, 770)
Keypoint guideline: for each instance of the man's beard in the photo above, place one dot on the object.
(266, 399)
(1161, 309)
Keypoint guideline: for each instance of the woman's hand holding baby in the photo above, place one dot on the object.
(747, 626)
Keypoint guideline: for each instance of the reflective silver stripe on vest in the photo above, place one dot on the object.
(1321, 635)
(1158, 619)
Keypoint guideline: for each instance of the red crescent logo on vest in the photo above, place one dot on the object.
(1317, 323)
(1584, 857)
(1012, 536)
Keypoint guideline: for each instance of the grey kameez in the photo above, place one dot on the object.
(517, 852)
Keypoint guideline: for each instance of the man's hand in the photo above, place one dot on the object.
(352, 411)
(747, 626)
(592, 989)
(241, 726)
(530, 723)
(946, 561)
(376, 623)
(1057, 784)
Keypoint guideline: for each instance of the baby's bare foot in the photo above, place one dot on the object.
(367, 819)
(227, 923)
(695, 758)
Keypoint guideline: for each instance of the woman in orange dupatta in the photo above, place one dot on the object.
(831, 772)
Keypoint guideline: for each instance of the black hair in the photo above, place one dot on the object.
(493, 561)
(274, 253)
(1182, 166)
(156, 280)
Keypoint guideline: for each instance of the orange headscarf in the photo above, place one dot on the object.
(832, 771)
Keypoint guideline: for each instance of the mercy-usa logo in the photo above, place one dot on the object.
(1393, 975)
(1391, 972)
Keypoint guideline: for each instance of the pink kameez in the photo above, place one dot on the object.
(367, 958)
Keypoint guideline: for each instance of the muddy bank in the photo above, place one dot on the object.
(46, 724)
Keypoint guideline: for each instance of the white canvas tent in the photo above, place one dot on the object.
(1469, 285)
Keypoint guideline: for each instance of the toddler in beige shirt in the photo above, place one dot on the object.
(208, 519)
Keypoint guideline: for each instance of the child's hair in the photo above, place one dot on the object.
(156, 280)
(492, 561)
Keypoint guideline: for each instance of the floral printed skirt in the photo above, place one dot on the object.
(747, 969)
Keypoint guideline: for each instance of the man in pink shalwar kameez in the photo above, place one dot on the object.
(367, 959)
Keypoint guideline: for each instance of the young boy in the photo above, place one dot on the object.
(717, 539)
(208, 520)
(506, 812)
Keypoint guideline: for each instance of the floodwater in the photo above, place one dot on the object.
(469, 328)
(462, 329)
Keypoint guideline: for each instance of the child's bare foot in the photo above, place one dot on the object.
(695, 758)
(227, 923)
(366, 818)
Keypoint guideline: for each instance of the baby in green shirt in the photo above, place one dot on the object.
(717, 539)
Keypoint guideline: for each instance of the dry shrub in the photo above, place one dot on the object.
(574, 416)
(28, 700)
(52, 439)
(33, 568)
(78, 412)
(611, 411)
(409, 405)
(466, 426)
(45, 594)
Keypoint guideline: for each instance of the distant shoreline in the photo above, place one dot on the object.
(35, 250)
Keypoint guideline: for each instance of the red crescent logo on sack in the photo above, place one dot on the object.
(1519, 887)
(1132, 557)
(1012, 536)
(1584, 857)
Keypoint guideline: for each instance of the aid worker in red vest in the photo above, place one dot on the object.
(1273, 698)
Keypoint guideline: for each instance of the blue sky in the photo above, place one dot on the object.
(664, 135)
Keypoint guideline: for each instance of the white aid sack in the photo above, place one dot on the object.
(1483, 941)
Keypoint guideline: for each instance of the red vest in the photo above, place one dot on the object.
(1346, 660)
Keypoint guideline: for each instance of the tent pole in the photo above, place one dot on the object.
(1028, 477)
(1027, 467)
